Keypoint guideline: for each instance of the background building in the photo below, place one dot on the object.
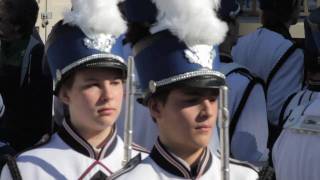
(51, 11)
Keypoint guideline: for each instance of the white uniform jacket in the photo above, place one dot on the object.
(276, 60)
(295, 154)
(68, 156)
(248, 115)
(163, 165)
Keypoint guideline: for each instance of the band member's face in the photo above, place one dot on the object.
(8, 30)
(94, 99)
(187, 118)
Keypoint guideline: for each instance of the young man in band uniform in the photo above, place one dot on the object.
(89, 72)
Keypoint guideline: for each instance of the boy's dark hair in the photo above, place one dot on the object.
(161, 96)
(22, 13)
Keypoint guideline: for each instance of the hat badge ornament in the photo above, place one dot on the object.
(101, 42)
(201, 54)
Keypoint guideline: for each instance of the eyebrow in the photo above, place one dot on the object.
(90, 79)
(96, 79)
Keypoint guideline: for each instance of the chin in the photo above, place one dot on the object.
(201, 142)
(106, 121)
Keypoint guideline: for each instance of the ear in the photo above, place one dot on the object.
(64, 96)
(155, 108)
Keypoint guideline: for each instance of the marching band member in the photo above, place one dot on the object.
(173, 49)
(296, 152)
(25, 88)
(84, 59)
(272, 55)
(247, 103)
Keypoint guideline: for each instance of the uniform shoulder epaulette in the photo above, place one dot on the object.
(128, 167)
(140, 148)
(230, 68)
(303, 124)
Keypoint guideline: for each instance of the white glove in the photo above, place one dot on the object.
(1, 106)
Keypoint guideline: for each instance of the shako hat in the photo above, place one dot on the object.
(88, 37)
(181, 45)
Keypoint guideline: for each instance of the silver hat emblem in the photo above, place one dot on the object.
(152, 86)
(100, 42)
(201, 54)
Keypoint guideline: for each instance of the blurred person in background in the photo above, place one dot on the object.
(296, 152)
(248, 129)
(271, 53)
(26, 91)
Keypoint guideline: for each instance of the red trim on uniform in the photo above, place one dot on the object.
(105, 167)
(86, 172)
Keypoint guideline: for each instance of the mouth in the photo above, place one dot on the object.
(204, 128)
(106, 111)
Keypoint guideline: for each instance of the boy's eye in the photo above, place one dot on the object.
(212, 99)
(192, 100)
(115, 82)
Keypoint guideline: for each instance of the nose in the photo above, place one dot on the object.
(106, 93)
(207, 108)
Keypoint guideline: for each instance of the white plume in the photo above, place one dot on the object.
(192, 21)
(96, 16)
